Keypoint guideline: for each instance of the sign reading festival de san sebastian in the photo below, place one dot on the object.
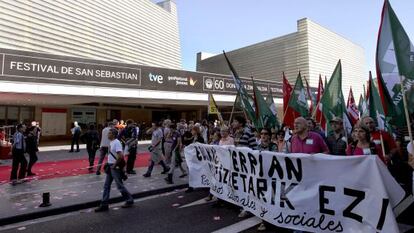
(45, 68)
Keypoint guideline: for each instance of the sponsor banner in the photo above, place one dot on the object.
(316, 193)
(46, 68)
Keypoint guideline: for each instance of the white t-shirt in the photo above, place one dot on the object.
(104, 138)
(156, 137)
(410, 148)
(114, 147)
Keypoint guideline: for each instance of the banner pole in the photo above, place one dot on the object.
(407, 115)
(232, 110)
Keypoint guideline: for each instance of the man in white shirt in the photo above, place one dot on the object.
(104, 146)
(114, 172)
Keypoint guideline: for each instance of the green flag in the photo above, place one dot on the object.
(244, 98)
(333, 102)
(375, 109)
(298, 100)
(395, 61)
(264, 115)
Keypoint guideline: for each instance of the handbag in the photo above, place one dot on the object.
(119, 165)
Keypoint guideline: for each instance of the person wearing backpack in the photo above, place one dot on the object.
(91, 138)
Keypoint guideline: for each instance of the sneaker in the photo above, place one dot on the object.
(262, 227)
(131, 172)
(189, 190)
(146, 175)
(183, 175)
(127, 205)
(243, 214)
(102, 208)
(165, 170)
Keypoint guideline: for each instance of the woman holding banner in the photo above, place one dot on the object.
(363, 145)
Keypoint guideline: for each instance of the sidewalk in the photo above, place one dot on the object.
(21, 202)
(70, 185)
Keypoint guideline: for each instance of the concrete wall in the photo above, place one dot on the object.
(134, 31)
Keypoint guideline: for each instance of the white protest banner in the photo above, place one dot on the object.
(316, 193)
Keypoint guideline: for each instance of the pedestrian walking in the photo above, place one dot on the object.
(76, 132)
(156, 150)
(176, 159)
(32, 147)
(114, 170)
(103, 151)
(19, 163)
(129, 137)
(91, 138)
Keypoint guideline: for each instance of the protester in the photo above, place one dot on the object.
(257, 135)
(312, 126)
(2, 135)
(176, 160)
(337, 140)
(282, 145)
(216, 137)
(265, 145)
(196, 137)
(91, 138)
(243, 138)
(32, 147)
(114, 171)
(363, 144)
(305, 141)
(76, 132)
(129, 136)
(104, 146)
(204, 130)
(225, 140)
(167, 140)
(156, 150)
(243, 134)
(388, 141)
(19, 163)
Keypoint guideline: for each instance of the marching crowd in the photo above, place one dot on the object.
(169, 138)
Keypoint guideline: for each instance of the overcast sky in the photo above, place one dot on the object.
(216, 25)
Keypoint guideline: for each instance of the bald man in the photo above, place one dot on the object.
(305, 141)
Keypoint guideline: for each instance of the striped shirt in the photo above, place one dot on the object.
(248, 139)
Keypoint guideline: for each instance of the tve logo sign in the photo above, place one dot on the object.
(156, 78)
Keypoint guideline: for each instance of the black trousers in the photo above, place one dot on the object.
(75, 140)
(19, 161)
(131, 159)
(32, 160)
(91, 154)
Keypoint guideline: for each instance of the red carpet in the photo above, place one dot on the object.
(64, 168)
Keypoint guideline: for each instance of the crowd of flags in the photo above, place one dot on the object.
(382, 99)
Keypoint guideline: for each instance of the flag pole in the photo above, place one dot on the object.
(232, 110)
(407, 115)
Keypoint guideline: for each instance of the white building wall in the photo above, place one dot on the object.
(129, 31)
(312, 50)
(325, 49)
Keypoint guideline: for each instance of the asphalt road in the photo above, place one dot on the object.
(169, 212)
(162, 213)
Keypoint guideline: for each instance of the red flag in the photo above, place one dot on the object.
(289, 114)
(319, 116)
(352, 108)
(309, 95)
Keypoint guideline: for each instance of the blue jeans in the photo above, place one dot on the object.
(115, 174)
